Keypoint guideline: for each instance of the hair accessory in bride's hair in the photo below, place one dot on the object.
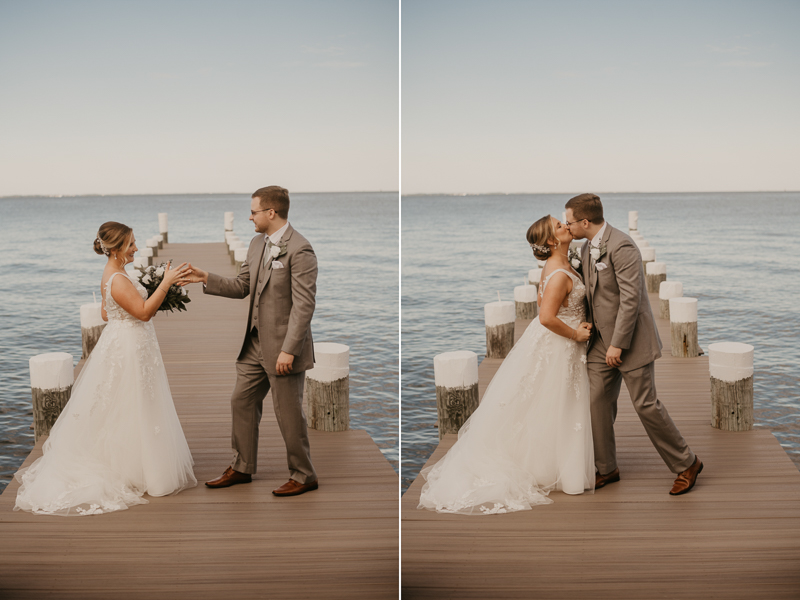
(102, 245)
(541, 249)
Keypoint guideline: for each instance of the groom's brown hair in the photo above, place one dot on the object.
(274, 196)
(586, 206)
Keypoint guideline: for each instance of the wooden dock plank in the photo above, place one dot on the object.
(340, 541)
(737, 535)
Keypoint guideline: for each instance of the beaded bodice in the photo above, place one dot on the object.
(114, 311)
(576, 307)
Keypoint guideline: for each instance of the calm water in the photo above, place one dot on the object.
(737, 253)
(48, 269)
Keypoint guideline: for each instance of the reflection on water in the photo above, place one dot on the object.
(726, 249)
(48, 269)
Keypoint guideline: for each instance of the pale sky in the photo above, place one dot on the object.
(129, 97)
(574, 96)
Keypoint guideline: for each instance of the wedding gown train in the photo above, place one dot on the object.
(531, 433)
(118, 436)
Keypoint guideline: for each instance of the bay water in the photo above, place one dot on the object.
(48, 269)
(737, 253)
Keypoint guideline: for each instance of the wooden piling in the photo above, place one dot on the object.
(456, 379)
(731, 370)
(51, 386)
(328, 388)
(683, 327)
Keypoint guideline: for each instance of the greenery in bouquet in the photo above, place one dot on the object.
(177, 297)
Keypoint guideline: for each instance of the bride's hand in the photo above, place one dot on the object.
(583, 332)
(178, 275)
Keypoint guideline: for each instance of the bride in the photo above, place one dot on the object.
(531, 433)
(119, 435)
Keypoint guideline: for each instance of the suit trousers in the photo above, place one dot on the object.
(605, 383)
(252, 384)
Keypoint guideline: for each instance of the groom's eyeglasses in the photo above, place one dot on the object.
(567, 223)
(254, 212)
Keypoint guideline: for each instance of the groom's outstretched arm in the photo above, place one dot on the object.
(628, 271)
(230, 287)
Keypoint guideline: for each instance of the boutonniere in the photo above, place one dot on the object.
(276, 250)
(574, 259)
(597, 252)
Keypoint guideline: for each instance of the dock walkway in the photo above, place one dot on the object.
(736, 535)
(340, 541)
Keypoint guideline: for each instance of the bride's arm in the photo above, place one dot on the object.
(129, 299)
(558, 288)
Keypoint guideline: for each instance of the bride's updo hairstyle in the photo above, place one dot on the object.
(113, 237)
(539, 235)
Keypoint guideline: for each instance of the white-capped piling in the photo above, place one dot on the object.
(328, 388)
(656, 273)
(152, 243)
(147, 255)
(163, 226)
(51, 386)
(140, 261)
(534, 277)
(234, 246)
(239, 256)
(667, 290)
(160, 239)
(525, 301)
(541, 263)
(641, 242)
(648, 256)
(499, 318)
(228, 218)
(633, 220)
(683, 327)
(456, 378)
(731, 368)
(92, 326)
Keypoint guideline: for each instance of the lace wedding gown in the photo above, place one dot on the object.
(531, 433)
(118, 436)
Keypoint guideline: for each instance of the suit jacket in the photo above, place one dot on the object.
(618, 303)
(283, 300)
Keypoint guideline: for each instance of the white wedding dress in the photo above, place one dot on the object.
(119, 436)
(531, 433)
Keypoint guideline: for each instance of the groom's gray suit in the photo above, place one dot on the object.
(282, 303)
(619, 310)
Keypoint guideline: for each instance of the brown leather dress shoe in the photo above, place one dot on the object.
(229, 478)
(292, 488)
(687, 479)
(603, 480)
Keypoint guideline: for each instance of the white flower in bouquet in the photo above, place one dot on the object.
(160, 271)
(184, 291)
(576, 263)
(146, 279)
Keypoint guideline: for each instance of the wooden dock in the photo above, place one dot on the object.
(736, 535)
(340, 541)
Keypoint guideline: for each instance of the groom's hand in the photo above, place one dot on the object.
(196, 275)
(614, 356)
(284, 364)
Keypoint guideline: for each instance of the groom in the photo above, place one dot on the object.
(280, 276)
(624, 346)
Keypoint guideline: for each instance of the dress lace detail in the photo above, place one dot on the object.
(119, 436)
(531, 433)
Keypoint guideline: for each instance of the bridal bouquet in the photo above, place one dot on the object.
(177, 297)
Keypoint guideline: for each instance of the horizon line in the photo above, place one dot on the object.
(249, 194)
(461, 194)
